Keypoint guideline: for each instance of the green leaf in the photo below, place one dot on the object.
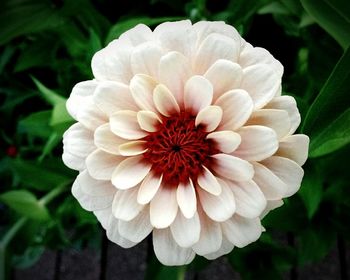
(311, 192)
(30, 256)
(36, 124)
(122, 26)
(333, 16)
(25, 203)
(327, 119)
(49, 95)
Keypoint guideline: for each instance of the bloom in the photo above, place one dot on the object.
(183, 132)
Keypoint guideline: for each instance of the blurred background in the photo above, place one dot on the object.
(46, 48)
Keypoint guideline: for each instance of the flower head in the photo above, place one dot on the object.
(183, 132)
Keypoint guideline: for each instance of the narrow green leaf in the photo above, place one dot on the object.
(25, 203)
(328, 116)
(60, 114)
(122, 26)
(50, 96)
(36, 124)
(333, 16)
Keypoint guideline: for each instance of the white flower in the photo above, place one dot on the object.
(184, 133)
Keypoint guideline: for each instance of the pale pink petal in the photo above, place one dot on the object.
(261, 82)
(168, 251)
(294, 147)
(232, 167)
(287, 170)
(124, 124)
(113, 234)
(130, 172)
(138, 228)
(214, 47)
(278, 120)
(251, 56)
(218, 207)
(174, 70)
(78, 141)
(186, 198)
(250, 201)
(111, 97)
(125, 206)
(91, 116)
(198, 94)
(93, 187)
(165, 101)
(186, 231)
(149, 188)
(141, 87)
(288, 104)
(242, 231)
(226, 247)
(210, 238)
(164, 207)
(271, 205)
(207, 181)
(271, 185)
(81, 92)
(101, 164)
(226, 140)
(258, 143)
(224, 75)
(137, 35)
(103, 215)
(148, 121)
(237, 107)
(133, 148)
(106, 140)
(209, 117)
(73, 161)
(145, 59)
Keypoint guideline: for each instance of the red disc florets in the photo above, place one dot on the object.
(178, 149)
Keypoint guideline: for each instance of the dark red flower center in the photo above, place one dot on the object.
(178, 149)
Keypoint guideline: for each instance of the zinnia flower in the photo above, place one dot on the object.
(183, 133)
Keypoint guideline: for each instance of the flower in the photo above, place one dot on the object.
(183, 133)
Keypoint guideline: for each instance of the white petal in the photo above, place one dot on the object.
(141, 87)
(224, 75)
(164, 101)
(174, 70)
(130, 172)
(272, 186)
(148, 120)
(261, 82)
(125, 206)
(92, 202)
(93, 187)
(226, 247)
(210, 238)
(145, 59)
(294, 147)
(78, 141)
(164, 207)
(149, 188)
(278, 120)
(138, 228)
(111, 97)
(103, 216)
(186, 231)
(288, 171)
(232, 168)
(79, 96)
(101, 164)
(258, 142)
(271, 205)
(168, 252)
(241, 231)
(226, 140)
(114, 235)
(198, 94)
(91, 116)
(237, 106)
(218, 207)
(214, 47)
(207, 181)
(251, 56)
(133, 148)
(137, 35)
(73, 161)
(288, 104)
(250, 200)
(186, 198)
(106, 140)
(125, 125)
(210, 117)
